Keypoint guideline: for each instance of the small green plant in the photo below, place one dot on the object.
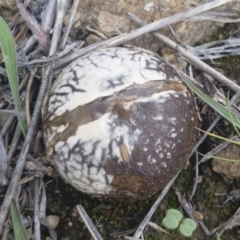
(220, 109)
(174, 219)
(18, 227)
(8, 48)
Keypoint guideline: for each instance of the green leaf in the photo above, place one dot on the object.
(7, 45)
(19, 230)
(187, 226)
(218, 237)
(230, 114)
(172, 219)
(224, 112)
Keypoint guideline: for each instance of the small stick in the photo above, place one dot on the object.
(192, 59)
(35, 27)
(196, 178)
(28, 140)
(48, 18)
(15, 139)
(88, 222)
(37, 232)
(153, 208)
(189, 210)
(3, 164)
(217, 149)
(7, 124)
(27, 99)
(69, 24)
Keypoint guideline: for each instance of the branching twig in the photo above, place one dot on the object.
(28, 140)
(192, 59)
(69, 24)
(88, 222)
(3, 164)
(125, 37)
(37, 233)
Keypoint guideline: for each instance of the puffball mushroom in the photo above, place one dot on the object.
(119, 123)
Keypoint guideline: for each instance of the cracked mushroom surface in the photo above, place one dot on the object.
(119, 123)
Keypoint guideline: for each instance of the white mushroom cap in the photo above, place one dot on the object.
(120, 122)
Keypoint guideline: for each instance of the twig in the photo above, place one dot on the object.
(153, 208)
(123, 233)
(234, 221)
(37, 233)
(132, 238)
(3, 164)
(27, 99)
(125, 37)
(43, 203)
(218, 17)
(189, 210)
(88, 222)
(7, 125)
(48, 60)
(157, 227)
(192, 59)
(14, 143)
(49, 15)
(210, 128)
(196, 178)
(35, 27)
(200, 141)
(217, 149)
(47, 23)
(217, 49)
(62, 8)
(60, 15)
(3, 71)
(28, 140)
(69, 24)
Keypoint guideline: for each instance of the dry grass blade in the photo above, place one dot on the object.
(131, 238)
(3, 164)
(36, 28)
(69, 24)
(217, 49)
(157, 227)
(28, 140)
(218, 17)
(224, 112)
(88, 222)
(37, 232)
(215, 150)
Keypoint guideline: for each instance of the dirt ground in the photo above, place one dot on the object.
(115, 220)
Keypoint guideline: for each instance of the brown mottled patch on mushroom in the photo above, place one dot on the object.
(127, 182)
